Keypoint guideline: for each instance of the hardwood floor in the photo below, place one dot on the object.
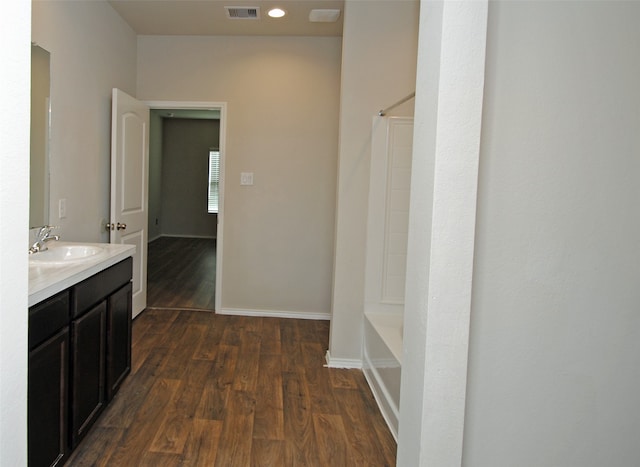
(189, 262)
(214, 390)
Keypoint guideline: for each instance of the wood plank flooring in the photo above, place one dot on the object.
(214, 390)
(189, 262)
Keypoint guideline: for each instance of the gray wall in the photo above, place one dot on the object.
(282, 96)
(554, 358)
(185, 165)
(92, 51)
(39, 161)
(155, 174)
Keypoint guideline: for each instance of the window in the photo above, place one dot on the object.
(214, 181)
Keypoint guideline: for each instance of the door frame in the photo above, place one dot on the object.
(222, 107)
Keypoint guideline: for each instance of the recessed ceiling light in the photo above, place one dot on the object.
(277, 13)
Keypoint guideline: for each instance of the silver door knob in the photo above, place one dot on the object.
(120, 226)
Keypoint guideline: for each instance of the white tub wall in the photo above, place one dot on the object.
(382, 369)
(389, 326)
(388, 214)
(387, 230)
(386, 257)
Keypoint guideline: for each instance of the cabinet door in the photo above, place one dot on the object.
(88, 336)
(118, 339)
(47, 401)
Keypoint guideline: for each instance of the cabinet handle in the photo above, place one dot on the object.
(110, 226)
(120, 226)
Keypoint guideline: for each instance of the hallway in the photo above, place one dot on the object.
(181, 273)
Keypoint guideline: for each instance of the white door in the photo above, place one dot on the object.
(129, 180)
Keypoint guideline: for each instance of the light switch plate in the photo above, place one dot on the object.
(246, 178)
(62, 208)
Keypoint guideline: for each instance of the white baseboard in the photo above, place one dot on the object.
(387, 408)
(273, 313)
(210, 237)
(154, 238)
(351, 363)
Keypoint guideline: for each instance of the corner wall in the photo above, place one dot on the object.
(442, 217)
(378, 68)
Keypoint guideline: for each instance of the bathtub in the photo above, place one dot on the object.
(382, 362)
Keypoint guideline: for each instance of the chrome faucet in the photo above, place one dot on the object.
(42, 237)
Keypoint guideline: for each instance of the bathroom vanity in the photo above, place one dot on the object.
(79, 343)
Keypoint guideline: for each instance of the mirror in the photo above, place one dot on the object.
(40, 130)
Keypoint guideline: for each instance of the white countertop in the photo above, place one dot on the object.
(47, 280)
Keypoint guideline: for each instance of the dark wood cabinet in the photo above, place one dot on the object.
(100, 343)
(48, 406)
(79, 355)
(119, 307)
(88, 344)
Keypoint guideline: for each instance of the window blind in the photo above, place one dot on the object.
(214, 181)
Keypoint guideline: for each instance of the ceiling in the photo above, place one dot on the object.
(209, 17)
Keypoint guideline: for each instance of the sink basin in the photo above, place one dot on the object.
(65, 254)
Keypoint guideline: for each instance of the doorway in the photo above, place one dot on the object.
(181, 273)
(185, 222)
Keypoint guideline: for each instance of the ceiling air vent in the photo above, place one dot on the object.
(324, 16)
(243, 12)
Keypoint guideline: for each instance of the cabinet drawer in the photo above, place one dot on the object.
(48, 317)
(94, 289)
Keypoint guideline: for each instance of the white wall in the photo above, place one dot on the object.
(15, 53)
(282, 120)
(92, 51)
(378, 68)
(448, 117)
(554, 360)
